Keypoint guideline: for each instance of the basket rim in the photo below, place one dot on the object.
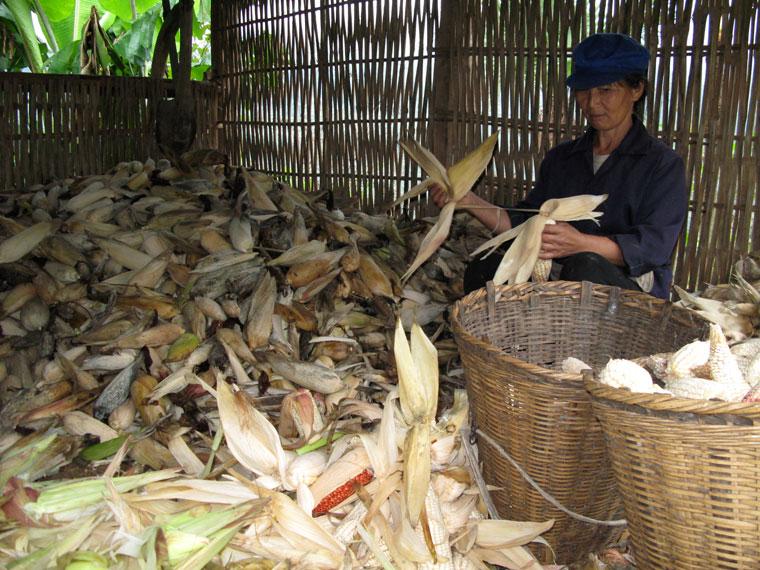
(584, 291)
(665, 403)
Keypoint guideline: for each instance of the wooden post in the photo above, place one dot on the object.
(444, 91)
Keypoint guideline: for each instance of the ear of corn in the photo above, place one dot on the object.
(79, 423)
(234, 340)
(106, 333)
(411, 545)
(722, 362)
(17, 246)
(210, 549)
(687, 358)
(310, 269)
(439, 534)
(541, 270)
(425, 358)
(160, 335)
(457, 513)
(572, 365)
(68, 498)
(251, 438)
(300, 232)
(24, 453)
(201, 490)
(342, 492)
(300, 253)
(416, 469)
(188, 532)
(182, 347)
(299, 415)
(737, 327)
(311, 376)
(752, 373)
(375, 279)
(622, 373)
(72, 536)
(300, 528)
(257, 186)
(240, 234)
(505, 534)
(141, 391)
(258, 325)
(698, 388)
(411, 391)
(124, 255)
(352, 465)
(123, 416)
(150, 274)
(18, 297)
(213, 242)
(308, 292)
(518, 262)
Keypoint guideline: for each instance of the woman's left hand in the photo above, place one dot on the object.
(560, 240)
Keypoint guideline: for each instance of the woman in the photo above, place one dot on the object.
(645, 181)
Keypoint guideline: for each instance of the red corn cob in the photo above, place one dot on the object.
(343, 492)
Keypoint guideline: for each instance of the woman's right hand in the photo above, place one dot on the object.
(439, 195)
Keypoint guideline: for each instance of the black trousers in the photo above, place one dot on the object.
(585, 266)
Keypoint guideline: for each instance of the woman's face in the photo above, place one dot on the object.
(607, 107)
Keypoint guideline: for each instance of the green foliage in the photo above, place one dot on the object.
(135, 43)
(22, 17)
(126, 49)
(66, 60)
(69, 28)
(12, 54)
(57, 10)
(122, 9)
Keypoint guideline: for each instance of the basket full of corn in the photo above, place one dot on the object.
(520, 346)
(683, 433)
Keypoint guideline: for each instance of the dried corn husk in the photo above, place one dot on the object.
(521, 257)
(456, 180)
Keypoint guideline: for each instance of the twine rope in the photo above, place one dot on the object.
(544, 494)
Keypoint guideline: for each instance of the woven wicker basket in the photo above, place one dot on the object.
(511, 345)
(689, 474)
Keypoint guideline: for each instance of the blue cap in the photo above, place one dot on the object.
(601, 59)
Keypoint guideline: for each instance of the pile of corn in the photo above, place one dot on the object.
(735, 306)
(213, 367)
(703, 369)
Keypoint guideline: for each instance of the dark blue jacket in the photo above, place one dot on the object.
(647, 202)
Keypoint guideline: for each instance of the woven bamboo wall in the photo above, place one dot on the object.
(56, 126)
(320, 92)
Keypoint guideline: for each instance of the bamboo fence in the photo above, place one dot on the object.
(57, 126)
(319, 92)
